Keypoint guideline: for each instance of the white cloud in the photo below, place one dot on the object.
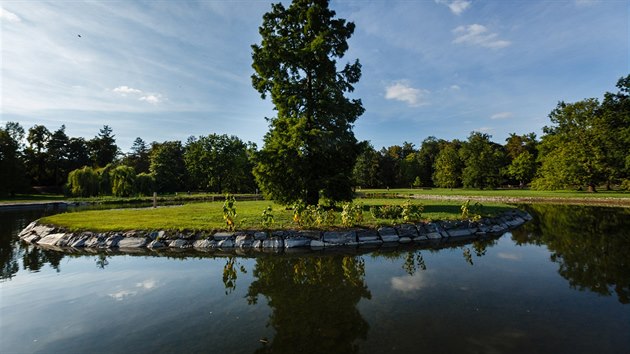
(409, 283)
(152, 98)
(456, 6)
(509, 256)
(402, 91)
(501, 115)
(455, 87)
(125, 90)
(477, 34)
(484, 129)
(9, 16)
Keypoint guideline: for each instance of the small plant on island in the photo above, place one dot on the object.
(267, 217)
(229, 212)
(471, 211)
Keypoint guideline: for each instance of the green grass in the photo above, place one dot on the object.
(515, 193)
(209, 216)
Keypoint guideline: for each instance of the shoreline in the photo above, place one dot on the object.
(422, 233)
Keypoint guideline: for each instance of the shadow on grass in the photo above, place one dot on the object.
(456, 209)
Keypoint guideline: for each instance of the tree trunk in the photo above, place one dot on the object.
(312, 197)
(591, 188)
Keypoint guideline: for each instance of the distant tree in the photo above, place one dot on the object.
(571, 151)
(426, 157)
(310, 147)
(218, 163)
(36, 154)
(523, 168)
(78, 153)
(103, 147)
(12, 170)
(366, 169)
(122, 180)
(144, 184)
(167, 166)
(58, 153)
(448, 167)
(104, 179)
(517, 144)
(615, 132)
(138, 158)
(483, 161)
(389, 166)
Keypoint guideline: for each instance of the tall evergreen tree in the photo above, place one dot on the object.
(103, 147)
(310, 147)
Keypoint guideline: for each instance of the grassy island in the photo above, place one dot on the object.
(209, 216)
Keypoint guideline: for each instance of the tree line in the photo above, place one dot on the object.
(586, 145)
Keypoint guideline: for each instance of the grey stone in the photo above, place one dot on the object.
(226, 243)
(388, 234)
(407, 230)
(179, 243)
(131, 242)
(50, 240)
(340, 237)
(367, 236)
(112, 241)
(404, 239)
(79, 242)
(461, 232)
(261, 235)
(257, 244)
(205, 243)
(295, 242)
(32, 238)
(155, 244)
(219, 236)
(317, 244)
(310, 234)
(273, 242)
(434, 236)
(244, 241)
(421, 238)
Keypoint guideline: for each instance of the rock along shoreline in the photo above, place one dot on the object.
(437, 232)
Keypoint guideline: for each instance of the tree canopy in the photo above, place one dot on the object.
(310, 147)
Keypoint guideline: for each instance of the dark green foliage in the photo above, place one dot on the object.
(103, 147)
(58, 153)
(219, 163)
(310, 148)
(448, 167)
(104, 179)
(36, 154)
(483, 161)
(366, 168)
(167, 166)
(144, 184)
(138, 158)
(12, 170)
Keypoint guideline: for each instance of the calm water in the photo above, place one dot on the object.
(560, 284)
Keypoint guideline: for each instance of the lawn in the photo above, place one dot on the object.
(514, 193)
(209, 216)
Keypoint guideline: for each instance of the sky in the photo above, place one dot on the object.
(166, 70)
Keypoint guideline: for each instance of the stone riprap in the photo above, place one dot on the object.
(386, 236)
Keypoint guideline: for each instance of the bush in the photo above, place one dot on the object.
(83, 182)
(144, 184)
(122, 180)
(625, 185)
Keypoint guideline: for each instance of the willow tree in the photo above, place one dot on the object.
(310, 148)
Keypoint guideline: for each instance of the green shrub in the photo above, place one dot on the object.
(122, 179)
(83, 182)
(144, 184)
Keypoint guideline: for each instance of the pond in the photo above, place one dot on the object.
(558, 284)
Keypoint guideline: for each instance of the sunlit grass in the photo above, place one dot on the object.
(524, 193)
(209, 216)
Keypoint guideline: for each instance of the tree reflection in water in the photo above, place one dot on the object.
(314, 301)
(591, 245)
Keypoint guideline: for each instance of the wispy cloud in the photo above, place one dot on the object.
(126, 90)
(402, 91)
(7, 15)
(408, 283)
(479, 35)
(501, 115)
(509, 256)
(456, 6)
(153, 98)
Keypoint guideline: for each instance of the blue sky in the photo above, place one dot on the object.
(165, 70)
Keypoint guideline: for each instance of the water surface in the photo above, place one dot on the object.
(559, 284)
